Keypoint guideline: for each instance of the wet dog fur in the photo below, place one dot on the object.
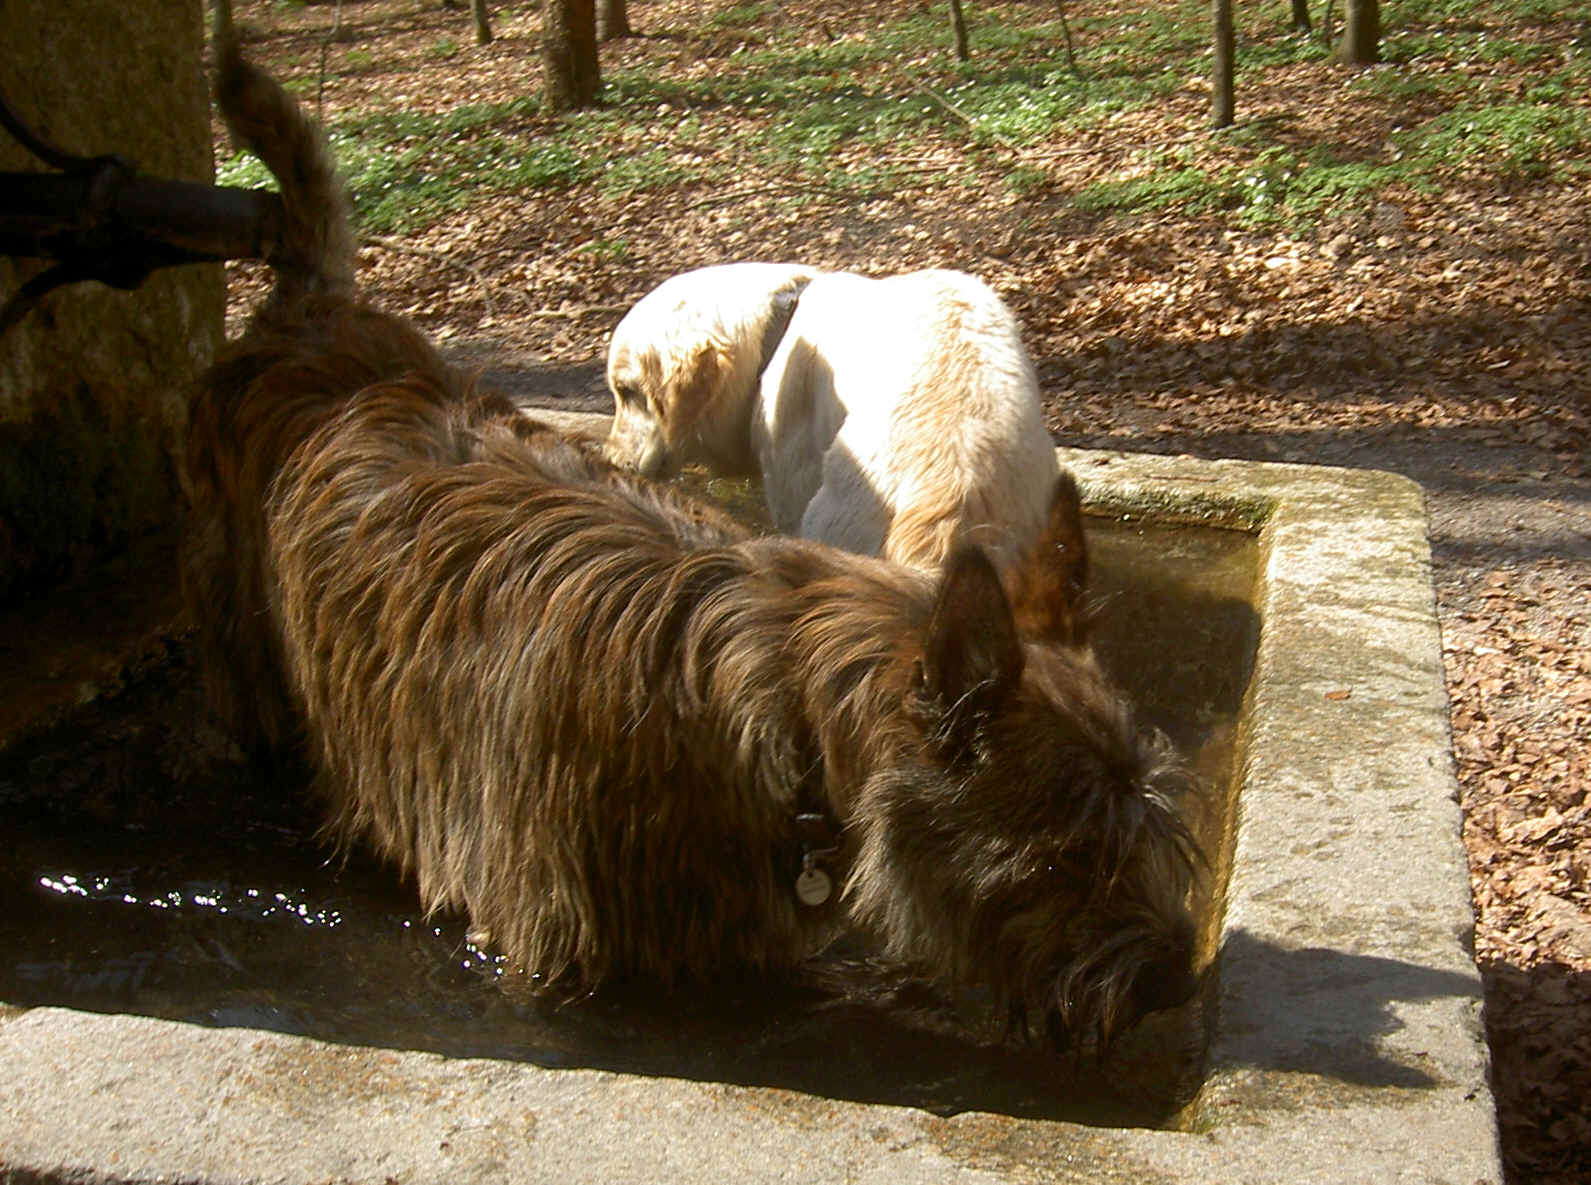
(602, 719)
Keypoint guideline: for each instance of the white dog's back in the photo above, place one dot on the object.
(894, 417)
(901, 416)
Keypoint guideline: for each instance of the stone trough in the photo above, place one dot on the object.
(192, 993)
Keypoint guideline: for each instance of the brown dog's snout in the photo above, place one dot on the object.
(1168, 981)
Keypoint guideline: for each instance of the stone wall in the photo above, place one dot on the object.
(94, 383)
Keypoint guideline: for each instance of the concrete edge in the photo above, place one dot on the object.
(1347, 1038)
(1347, 981)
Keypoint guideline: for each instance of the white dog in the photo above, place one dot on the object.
(892, 417)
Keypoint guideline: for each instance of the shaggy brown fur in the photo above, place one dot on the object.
(589, 712)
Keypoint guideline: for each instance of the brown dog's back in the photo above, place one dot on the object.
(602, 719)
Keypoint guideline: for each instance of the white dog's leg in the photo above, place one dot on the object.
(797, 417)
(847, 509)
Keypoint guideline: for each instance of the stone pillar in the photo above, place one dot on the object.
(94, 384)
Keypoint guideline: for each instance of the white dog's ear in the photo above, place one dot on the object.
(781, 307)
(1047, 584)
(701, 379)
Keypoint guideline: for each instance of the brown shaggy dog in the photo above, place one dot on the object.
(624, 734)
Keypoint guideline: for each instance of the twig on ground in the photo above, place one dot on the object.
(585, 310)
(1066, 153)
(967, 119)
(734, 195)
(403, 248)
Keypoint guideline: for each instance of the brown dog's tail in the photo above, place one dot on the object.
(315, 250)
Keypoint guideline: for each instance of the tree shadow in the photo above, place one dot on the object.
(532, 381)
(1482, 460)
(1458, 458)
(1414, 396)
(1537, 1019)
(1334, 361)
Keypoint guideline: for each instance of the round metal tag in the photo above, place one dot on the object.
(813, 887)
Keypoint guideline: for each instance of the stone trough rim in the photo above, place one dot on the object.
(1346, 1038)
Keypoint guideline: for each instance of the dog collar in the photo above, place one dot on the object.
(784, 307)
(820, 842)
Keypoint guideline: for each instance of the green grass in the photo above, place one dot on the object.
(1410, 13)
(1442, 57)
(1184, 187)
(1508, 144)
(742, 15)
(832, 114)
(613, 250)
(1027, 106)
(1513, 142)
(1159, 35)
(1405, 88)
(808, 101)
(1276, 187)
(638, 172)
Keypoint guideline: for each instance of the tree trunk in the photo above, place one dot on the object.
(1222, 104)
(483, 22)
(1301, 21)
(613, 20)
(958, 26)
(1066, 32)
(91, 423)
(1361, 33)
(569, 54)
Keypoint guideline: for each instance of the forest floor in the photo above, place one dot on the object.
(1443, 335)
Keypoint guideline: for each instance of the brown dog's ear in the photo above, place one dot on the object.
(1048, 581)
(972, 656)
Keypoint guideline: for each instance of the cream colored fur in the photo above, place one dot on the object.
(893, 417)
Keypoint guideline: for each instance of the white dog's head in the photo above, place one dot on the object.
(684, 362)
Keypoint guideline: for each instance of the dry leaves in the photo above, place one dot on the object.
(1517, 645)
